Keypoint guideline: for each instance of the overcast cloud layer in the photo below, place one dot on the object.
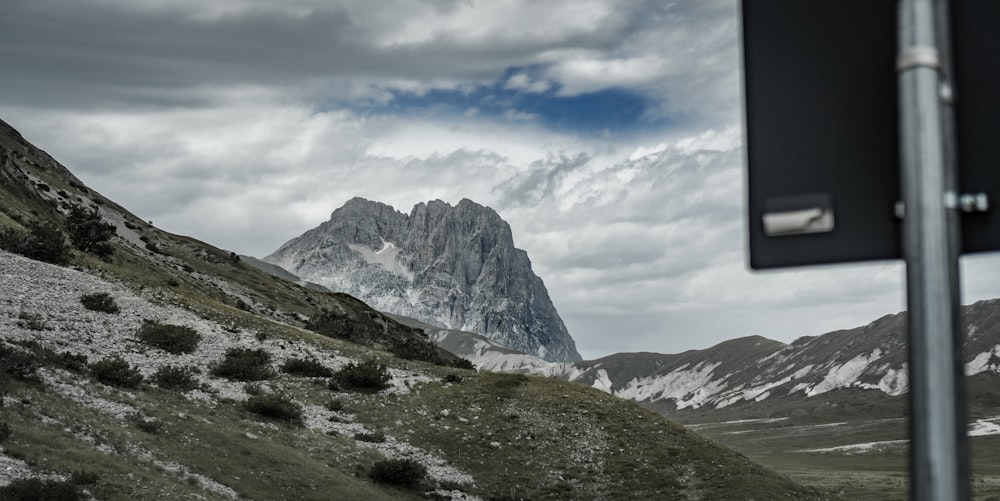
(606, 132)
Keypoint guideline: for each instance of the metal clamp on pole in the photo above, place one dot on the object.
(918, 57)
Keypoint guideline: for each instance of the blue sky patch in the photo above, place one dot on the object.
(613, 110)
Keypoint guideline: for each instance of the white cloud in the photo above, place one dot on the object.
(522, 82)
(515, 115)
(583, 72)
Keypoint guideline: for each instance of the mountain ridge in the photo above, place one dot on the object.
(452, 266)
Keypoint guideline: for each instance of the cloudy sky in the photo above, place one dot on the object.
(608, 133)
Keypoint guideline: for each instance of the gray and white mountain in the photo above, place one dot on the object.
(455, 267)
(861, 371)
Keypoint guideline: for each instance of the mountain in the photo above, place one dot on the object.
(157, 366)
(759, 376)
(454, 267)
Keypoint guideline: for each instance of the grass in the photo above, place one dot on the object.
(540, 438)
(866, 476)
(284, 464)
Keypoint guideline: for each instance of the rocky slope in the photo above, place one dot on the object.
(454, 267)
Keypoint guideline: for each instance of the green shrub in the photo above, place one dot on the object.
(401, 472)
(100, 301)
(17, 362)
(148, 425)
(36, 489)
(171, 377)
(305, 368)
(335, 405)
(253, 388)
(116, 372)
(451, 377)
(42, 242)
(376, 437)
(89, 232)
(244, 364)
(275, 406)
(71, 361)
(369, 377)
(174, 339)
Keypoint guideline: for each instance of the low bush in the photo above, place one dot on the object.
(376, 437)
(148, 425)
(179, 378)
(451, 377)
(17, 362)
(275, 406)
(71, 361)
(42, 242)
(244, 364)
(400, 472)
(368, 377)
(34, 489)
(335, 405)
(100, 301)
(116, 372)
(174, 339)
(253, 389)
(305, 368)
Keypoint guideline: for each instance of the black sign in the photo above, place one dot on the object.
(822, 129)
(976, 53)
(821, 125)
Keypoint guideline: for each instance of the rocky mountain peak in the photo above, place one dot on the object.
(452, 266)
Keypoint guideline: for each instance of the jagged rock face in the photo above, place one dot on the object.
(451, 266)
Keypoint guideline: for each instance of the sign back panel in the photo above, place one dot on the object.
(976, 52)
(821, 129)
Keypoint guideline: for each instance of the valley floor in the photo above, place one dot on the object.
(857, 459)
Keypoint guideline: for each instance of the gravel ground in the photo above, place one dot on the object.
(51, 294)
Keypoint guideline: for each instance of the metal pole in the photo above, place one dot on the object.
(939, 467)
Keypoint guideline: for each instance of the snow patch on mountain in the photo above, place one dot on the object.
(845, 375)
(689, 388)
(895, 381)
(755, 393)
(987, 360)
(387, 257)
(983, 427)
(602, 381)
